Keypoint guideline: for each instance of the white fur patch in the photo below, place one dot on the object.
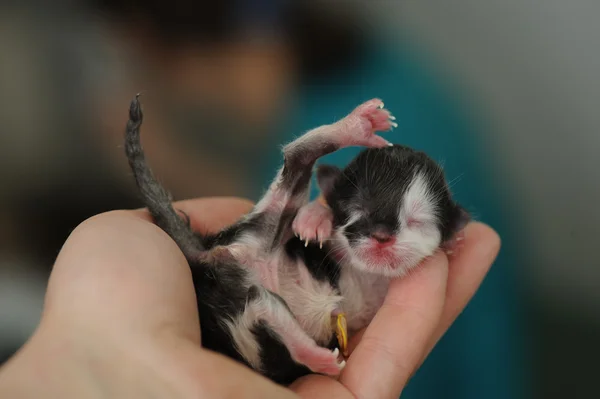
(422, 238)
(355, 216)
(243, 338)
(418, 202)
(311, 301)
(249, 251)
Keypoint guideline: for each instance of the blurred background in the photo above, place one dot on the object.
(503, 92)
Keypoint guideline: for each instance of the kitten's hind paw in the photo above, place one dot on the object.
(322, 360)
(364, 121)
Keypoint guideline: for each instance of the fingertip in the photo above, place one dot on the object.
(486, 240)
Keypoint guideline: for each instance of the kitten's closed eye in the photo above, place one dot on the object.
(415, 223)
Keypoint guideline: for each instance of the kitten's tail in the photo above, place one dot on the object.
(156, 198)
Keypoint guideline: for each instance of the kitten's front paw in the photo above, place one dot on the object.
(313, 222)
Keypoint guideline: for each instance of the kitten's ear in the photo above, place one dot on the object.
(326, 177)
(461, 219)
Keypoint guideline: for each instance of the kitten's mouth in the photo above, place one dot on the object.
(382, 256)
(391, 260)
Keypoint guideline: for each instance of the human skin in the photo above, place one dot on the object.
(120, 319)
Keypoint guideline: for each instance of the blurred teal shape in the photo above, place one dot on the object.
(482, 355)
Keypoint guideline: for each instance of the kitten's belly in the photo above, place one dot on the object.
(363, 295)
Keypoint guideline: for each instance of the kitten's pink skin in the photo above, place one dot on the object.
(313, 222)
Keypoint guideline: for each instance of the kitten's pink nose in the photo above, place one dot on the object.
(382, 236)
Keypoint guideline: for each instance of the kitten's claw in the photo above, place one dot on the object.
(313, 223)
(342, 363)
(394, 124)
(381, 105)
(322, 360)
(392, 117)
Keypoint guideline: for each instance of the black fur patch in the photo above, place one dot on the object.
(320, 265)
(220, 294)
(279, 365)
(277, 362)
(228, 235)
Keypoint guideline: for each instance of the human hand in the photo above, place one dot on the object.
(120, 319)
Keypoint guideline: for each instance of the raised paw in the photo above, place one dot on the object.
(313, 223)
(322, 360)
(366, 119)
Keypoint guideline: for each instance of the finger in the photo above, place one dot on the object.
(466, 272)
(209, 214)
(400, 332)
(319, 386)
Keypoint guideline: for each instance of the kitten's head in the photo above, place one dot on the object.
(392, 208)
